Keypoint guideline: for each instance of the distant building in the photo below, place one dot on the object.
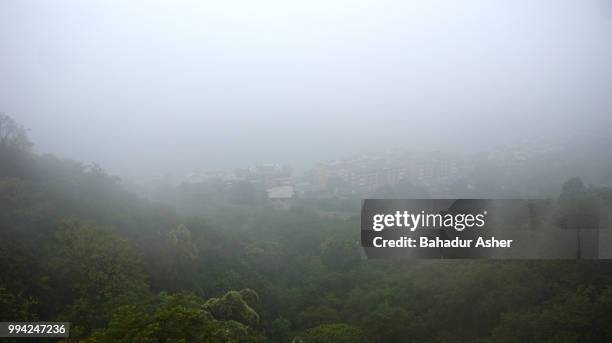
(281, 197)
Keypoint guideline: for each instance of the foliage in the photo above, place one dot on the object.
(339, 333)
(14, 147)
(234, 306)
(180, 317)
(92, 268)
(76, 246)
(15, 307)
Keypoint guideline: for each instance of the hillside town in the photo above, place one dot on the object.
(387, 174)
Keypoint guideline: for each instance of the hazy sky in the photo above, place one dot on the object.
(145, 87)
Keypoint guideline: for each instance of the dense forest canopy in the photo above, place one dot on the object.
(76, 246)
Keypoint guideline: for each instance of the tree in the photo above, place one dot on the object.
(15, 307)
(173, 318)
(340, 254)
(233, 306)
(181, 317)
(577, 210)
(13, 135)
(15, 147)
(337, 333)
(94, 271)
(244, 193)
(580, 315)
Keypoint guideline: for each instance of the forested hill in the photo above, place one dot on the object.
(75, 246)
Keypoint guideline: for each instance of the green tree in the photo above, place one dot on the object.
(15, 307)
(15, 147)
(339, 254)
(13, 136)
(580, 315)
(337, 333)
(93, 271)
(233, 306)
(577, 210)
(180, 317)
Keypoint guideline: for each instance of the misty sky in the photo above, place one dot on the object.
(145, 87)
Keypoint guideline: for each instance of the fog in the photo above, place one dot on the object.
(145, 87)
